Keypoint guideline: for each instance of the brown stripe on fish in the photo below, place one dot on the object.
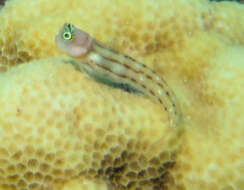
(149, 77)
(128, 57)
(161, 85)
(116, 74)
(152, 92)
(167, 93)
(120, 63)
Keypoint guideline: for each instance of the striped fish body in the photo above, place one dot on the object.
(118, 70)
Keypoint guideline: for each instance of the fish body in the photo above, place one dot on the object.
(116, 69)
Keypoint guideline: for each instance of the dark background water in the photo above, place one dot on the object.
(2, 2)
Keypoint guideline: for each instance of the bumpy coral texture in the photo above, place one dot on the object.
(59, 129)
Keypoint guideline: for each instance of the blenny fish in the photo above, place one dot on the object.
(114, 68)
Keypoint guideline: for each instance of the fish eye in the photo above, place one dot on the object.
(67, 36)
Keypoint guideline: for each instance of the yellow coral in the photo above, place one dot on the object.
(85, 184)
(71, 133)
(58, 124)
(216, 160)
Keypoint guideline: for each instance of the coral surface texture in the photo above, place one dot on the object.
(62, 130)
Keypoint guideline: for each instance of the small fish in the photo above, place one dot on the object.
(116, 69)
